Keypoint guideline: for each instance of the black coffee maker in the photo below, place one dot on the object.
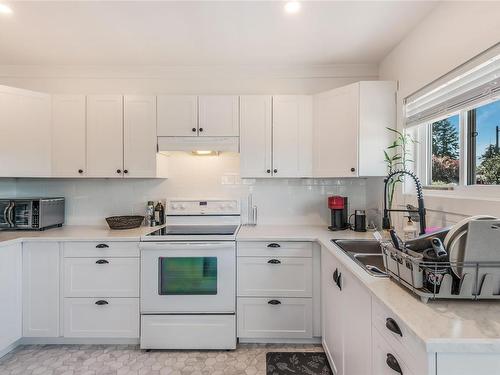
(338, 206)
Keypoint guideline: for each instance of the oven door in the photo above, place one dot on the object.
(188, 277)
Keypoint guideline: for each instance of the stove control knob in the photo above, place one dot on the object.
(183, 206)
(174, 206)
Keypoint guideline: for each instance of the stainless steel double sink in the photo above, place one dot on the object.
(365, 253)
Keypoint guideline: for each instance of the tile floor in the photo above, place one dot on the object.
(248, 359)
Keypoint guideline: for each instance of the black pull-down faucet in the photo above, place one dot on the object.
(386, 221)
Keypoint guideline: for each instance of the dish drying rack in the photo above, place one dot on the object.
(477, 280)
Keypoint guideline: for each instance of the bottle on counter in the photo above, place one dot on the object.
(410, 230)
(159, 214)
(150, 214)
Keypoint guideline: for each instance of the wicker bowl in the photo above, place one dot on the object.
(124, 222)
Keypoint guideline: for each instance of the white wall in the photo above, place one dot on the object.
(280, 201)
(451, 34)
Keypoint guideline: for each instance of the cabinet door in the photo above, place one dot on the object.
(10, 294)
(255, 135)
(219, 116)
(68, 136)
(25, 141)
(331, 311)
(336, 132)
(177, 115)
(41, 289)
(292, 136)
(139, 136)
(105, 136)
(356, 323)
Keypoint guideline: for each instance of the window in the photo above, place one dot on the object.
(483, 144)
(445, 151)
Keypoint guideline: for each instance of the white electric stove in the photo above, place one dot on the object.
(188, 277)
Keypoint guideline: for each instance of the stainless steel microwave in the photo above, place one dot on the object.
(31, 213)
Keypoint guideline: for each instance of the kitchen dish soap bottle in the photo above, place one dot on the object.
(410, 230)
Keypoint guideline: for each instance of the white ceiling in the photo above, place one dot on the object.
(204, 33)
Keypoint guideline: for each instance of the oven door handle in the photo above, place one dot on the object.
(186, 245)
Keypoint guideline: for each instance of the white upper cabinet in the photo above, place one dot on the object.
(25, 128)
(350, 129)
(292, 136)
(105, 135)
(276, 136)
(177, 115)
(218, 116)
(69, 136)
(255, 135)
(139, 136)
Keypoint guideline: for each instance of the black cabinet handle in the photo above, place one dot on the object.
(102, 302)
(274, 261)
(339, 279)
(274, 245)
(268, 171)
(102, 261)
(80, 171)
(118, 171)
(102, 246)
(393, 326)
(393, 363)
(274, 302)
(201, 129)
(353, 169)
(275, 171)
(193, 130)
(125, 171)
(335, 275)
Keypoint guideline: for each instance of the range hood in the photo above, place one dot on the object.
(189, 144)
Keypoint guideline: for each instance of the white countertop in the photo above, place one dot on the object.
(76, 233)
(443, 326)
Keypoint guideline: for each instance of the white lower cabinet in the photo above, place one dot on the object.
(188, 331)
(275, 276)
(346, 308)
(386, 361)
(274, 317)
(101, 277)
(10, 294)
(41, 294)
(101, 317)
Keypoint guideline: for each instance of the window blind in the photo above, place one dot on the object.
(475, 82)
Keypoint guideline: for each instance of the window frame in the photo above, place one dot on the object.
(423, 152)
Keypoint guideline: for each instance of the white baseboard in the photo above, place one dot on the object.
(77, 341)
(10, 348)
(314, 340)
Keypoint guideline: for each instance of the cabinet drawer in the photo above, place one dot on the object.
(409, 346)
(274, 276)
(109, 317)
(381, 350)
(275, 248)
(101, 277)
(274, 317)
(101, 249)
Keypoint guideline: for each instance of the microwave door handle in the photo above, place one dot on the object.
(6, 212)
(10, 216)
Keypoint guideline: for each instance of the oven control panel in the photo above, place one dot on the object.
(203, 207)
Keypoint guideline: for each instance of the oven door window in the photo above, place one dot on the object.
(187, 275)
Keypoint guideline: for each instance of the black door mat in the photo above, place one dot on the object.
(297, 363)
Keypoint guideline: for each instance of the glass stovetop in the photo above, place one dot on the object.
(195, 230)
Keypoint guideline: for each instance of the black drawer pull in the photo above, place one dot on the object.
(101, 302)
(101, 261)
(102, 246)
(393, 363)
(274, 302)
(274, 245)
(393, 326)
(339, 279)
(274, 261)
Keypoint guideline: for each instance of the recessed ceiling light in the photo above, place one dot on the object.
(292, 7)
(5, 9)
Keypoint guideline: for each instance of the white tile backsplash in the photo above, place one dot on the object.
(279, 201)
